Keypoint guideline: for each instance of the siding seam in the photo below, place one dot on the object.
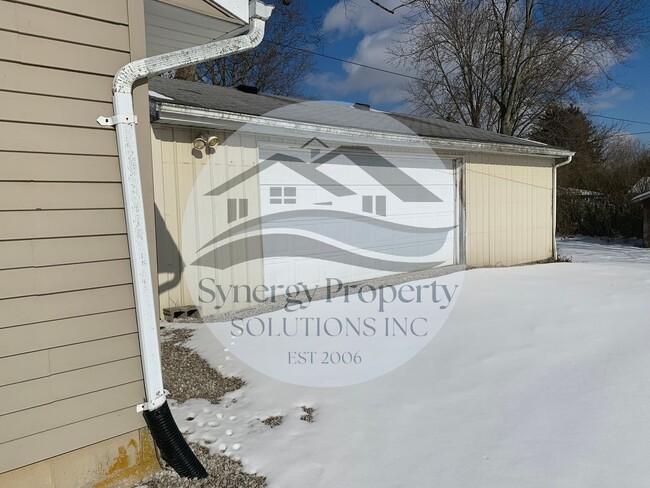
(73, 14)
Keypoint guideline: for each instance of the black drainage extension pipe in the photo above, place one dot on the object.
(173, 448)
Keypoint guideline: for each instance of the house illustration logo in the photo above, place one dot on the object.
(297, 219)
(321, 255)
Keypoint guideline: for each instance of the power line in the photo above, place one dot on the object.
(334, 58)
(619, 119)
(623, 134)
(383, 70)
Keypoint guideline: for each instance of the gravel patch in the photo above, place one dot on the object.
(273, 421)
(223, 472)
(187, 375)
(309, 414)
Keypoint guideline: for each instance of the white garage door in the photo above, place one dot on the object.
(354, 216)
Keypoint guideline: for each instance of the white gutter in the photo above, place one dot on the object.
(170, 113)
(124, 121)
(555, 167)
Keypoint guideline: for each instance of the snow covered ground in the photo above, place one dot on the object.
(597, 250)
(540, 378)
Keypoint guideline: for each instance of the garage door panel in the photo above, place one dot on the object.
(369, 233)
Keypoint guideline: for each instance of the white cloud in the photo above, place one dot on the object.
(375, 87)
(609, 99)
(362, 16)
(379, 29)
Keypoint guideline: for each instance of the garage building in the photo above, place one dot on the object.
(496, 193)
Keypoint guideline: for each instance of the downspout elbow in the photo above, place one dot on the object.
(565, 162)
(127, 75)
(155, 65)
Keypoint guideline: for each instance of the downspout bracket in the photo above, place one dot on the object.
(117, 119)
(153, 405)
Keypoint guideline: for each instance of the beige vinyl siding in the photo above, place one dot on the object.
(508, 208)
(29, 19)
(16, 195)
(41, 364)
(115, 11)
(52, 252)
(17, 137)
(42, 308)
(58, 333)
(33, 167)
(69, 437)
(43, 418)
(60, 54)
(54, 82)
(70, 371)
(56, 279)
(176, 167)
(51, 110)
(60, 223)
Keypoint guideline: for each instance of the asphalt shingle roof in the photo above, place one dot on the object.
(231, 100)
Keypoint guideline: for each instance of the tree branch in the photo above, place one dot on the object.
(392, 10)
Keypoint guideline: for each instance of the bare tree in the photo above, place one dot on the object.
(498, 64)
(595, 190)
(275, 66)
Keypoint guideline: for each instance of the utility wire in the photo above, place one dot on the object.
(618, 119)
(383, 70)
(334, 58)
(623, 134)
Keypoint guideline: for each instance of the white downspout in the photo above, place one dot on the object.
(124, 122)
(558, 165)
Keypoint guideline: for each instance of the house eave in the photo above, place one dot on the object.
(169, 113)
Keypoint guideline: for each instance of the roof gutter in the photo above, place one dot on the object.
(155, 407)
(171, 113)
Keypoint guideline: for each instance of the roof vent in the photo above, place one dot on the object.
(362, 106)
(247, 89)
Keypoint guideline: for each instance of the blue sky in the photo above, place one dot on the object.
(363, 34)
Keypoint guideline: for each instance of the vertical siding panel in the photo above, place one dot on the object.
(493, 210)
(185, 163)
(480, 190)
(509, 206)
(511, 221)
(176, 178)
(168, 211)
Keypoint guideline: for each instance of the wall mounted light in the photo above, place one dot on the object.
(204, 141)
(199, 143)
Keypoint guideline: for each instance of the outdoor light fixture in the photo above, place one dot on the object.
(199, 143)
(202, 142)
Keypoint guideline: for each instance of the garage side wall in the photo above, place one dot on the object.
(509, 209)
(176, 168)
